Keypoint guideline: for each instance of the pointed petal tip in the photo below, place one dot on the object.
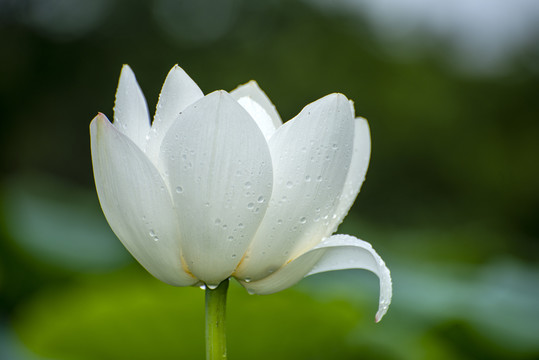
(126, 69)
(99, 117)
(250, 83)
(386, 291)
(218, 95)
(338, 99)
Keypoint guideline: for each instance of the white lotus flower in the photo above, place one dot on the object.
(217, 186)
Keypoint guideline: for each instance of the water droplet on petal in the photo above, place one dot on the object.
(217, 221)
(303, 220)
(241, 226)
(289, 184)
(250, 206)
(248, 185)
(179, 189)
(319, 178)
(260, 199)
(213, 287)
(307, 178)
(247, 279)
(202, 286)
(230, 238)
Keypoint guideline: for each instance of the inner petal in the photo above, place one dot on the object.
(260, 116)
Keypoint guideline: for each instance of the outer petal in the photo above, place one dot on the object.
(136, 203)
(252, 90)
(220, 173)
(130, 109)
(357, 172)
(311, 155)
(178, 92)
(338, 252)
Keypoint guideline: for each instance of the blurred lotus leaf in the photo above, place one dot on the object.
(121, 316)
(59, 224)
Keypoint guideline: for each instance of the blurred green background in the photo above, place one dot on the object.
(451, 92)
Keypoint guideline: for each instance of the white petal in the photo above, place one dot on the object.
(136, 203)
(130, 109)
(357, 172)
(338, 252)
(253, 91)
(260, 116)
(220, 172)
(178, 92)
(311, 155)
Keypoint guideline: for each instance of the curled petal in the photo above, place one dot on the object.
(130, 109)
(136, 203)
(338, 252)
(220, 174)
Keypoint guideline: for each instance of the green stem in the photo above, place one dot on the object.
(215, 322)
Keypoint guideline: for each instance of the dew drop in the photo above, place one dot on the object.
(203, 286)
(247, 279)
(230, 238)
(280, 221)
(319, 178)
(179, 189)
(303, 220)
(217, 221)
(152, 233)
(233, 256)
(334, 146)
(250, 206)
(289, 184)
(260, 199)
(248, 185)
(241, 226)
(307, 178)
(212, 287)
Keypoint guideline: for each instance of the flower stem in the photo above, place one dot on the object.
(215, 322)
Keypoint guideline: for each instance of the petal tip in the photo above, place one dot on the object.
(126, 69)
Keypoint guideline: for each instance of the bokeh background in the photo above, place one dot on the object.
(451, 92)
